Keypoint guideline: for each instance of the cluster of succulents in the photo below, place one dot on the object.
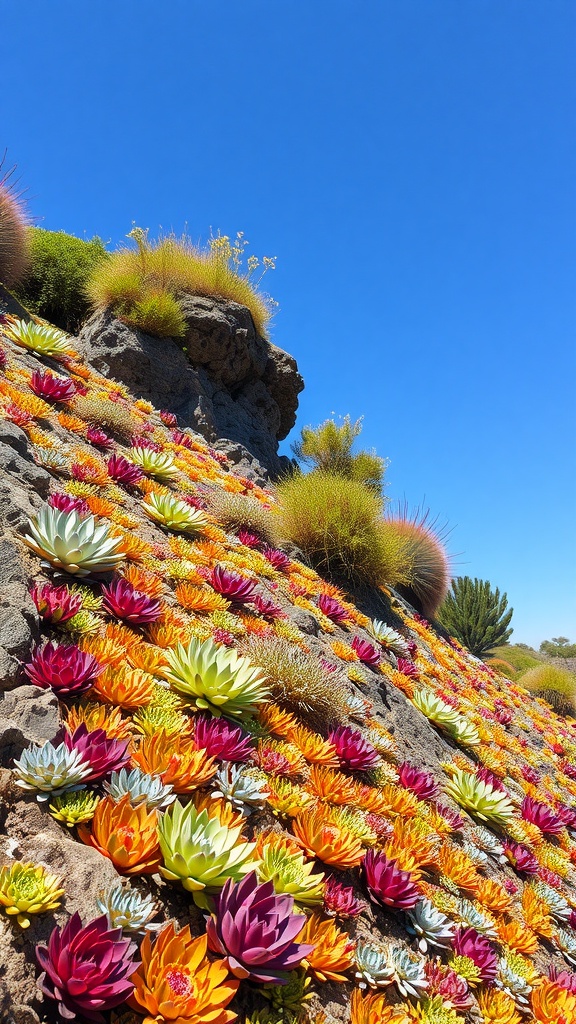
(196, 713)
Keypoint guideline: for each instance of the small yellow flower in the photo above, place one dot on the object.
(28, 889)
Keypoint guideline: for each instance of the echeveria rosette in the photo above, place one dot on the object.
(51, 388)
(222, 739)
(541, 815)
(215, 679)
(123, 601)
(366, 652)
(255, 930)
(231, 585)
(419, 782)
(388, 884)
(123, 471)
(40, 339)
(49, 770)
(55, 604)
(27, 889)
(76, 544)
(332, 609)
(173, 513)
(480, 798)
(86, 970)
(354, 752)
(469, 944)
(160, 465)
(127, 909)
(103, 754)
(64, 668)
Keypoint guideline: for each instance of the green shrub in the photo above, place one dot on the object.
(157, 313)
(55, 284)
(503, 667)
(297, 681)
(175, 267)
(329, 448)
(337, 523)
(555, 685)
(425, 566)
(241, 512)
(517, 656)
(13, 236)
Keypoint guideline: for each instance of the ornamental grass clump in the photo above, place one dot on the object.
(200, 852)
(177, 983)
(553, 684)
(86, 970)
(215, 679)
(298, 681)
(27, 889)
(425, 564)
(174, 514)
(14, 241)
(255, 930)
(240, 512)
(75, 544)
(103, 412)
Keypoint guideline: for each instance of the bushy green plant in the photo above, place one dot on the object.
(54, 286)
(558, 647)
(13, 238)
(516, 655)
(425, 565)
(476, 615)
(337, 523)
(297, 680)
(103, 412)
(329, 448)
(241, 512)
(503, 667)
(143, 286)
(553, 684)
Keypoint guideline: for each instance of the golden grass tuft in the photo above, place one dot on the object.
(297, 681)
(241, 512)
(555, 685)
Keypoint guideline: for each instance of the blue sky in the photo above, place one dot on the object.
(412, 166)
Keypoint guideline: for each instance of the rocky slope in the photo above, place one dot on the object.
(395, 746)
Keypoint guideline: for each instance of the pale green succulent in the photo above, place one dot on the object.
(463, 732)
(434, 708)
(50, 459)
(76, 544)
(39, 339)
(214, 678)
(407, 972)
(488, 843)
(201, 853)
(127, 909)
(372, 967)
(287, 1002)
(50, 770)
(478, 856)
(555, 902)
(74, 807)
(27, 889)
(433, 1010)
(390, 638)
(142, 788)
(157, 464)
(291, 874)
(566, 943)
(431, 926)
(480, 798)
(245, 788)
(84, 623)
(155, 717)
(174, 514)
(473, 916)
(91, 602)
(513, 983)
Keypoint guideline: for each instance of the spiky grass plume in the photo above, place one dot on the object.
(425, 563)
(297, 680)
(13, 236)
(237, 512)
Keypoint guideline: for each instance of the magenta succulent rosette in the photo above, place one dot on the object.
(278, 559)
(222, 739)
(55, 604)
(354, 752)
(521, 858)
(468, 942)
(340, 901)
(407, 668)
(255, 930)
(267, 608)
(232, 586)
(541, 815)
(51, 388)
(66, 669)
(68, 503)
(248, 539)
(123, 471)
(387, 883)
(419, 782)
(104, 755)
(332, 609)
(366, 652)
(86, 970)
(123, 601)
(98, 437)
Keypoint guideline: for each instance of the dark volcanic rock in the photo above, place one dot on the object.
(223, 379)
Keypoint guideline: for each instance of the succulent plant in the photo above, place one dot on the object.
(513, 983)
(255, 930)
(366, 652)
(430, 926)
(50, 770)
(200, 852)
(419, 782)
(157, 464)
(541, 815)
(216, 679)
(245, 789)
(51, 388)
(332, 609)
(141, 787)
(127, 908)
(55, 604)
(387, 884)
(104, 755)
(434, 708)
(123, 471)
(480, 798)
(74, 807)
(230, 585)
(566, 943)
(40, 340)
(98, 437)
(488, 842)
(469, 943)
(177, 983)
(222, 739)
(66, 670)
(27, 889)
(407, 972)
(80, 546)
(86, 970)
(291, 873)
(278, 559)
(521, 857)
(127, 835)
(373, 969)
(557, 905)
(472, 916)
(354, 752)
(124, 602)
(340, 901)
(390, 639)
(68, 503)
(174, 514)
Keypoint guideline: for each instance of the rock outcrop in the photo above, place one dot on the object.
(222, 378)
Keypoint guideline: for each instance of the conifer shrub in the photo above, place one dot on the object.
(143, 286)
(241, 512)
(54, 286)
(337, 523)
(297, 681)
(13, 237)
(425, 566)
(555, 685)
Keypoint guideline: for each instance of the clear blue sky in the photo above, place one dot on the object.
(412, 166)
